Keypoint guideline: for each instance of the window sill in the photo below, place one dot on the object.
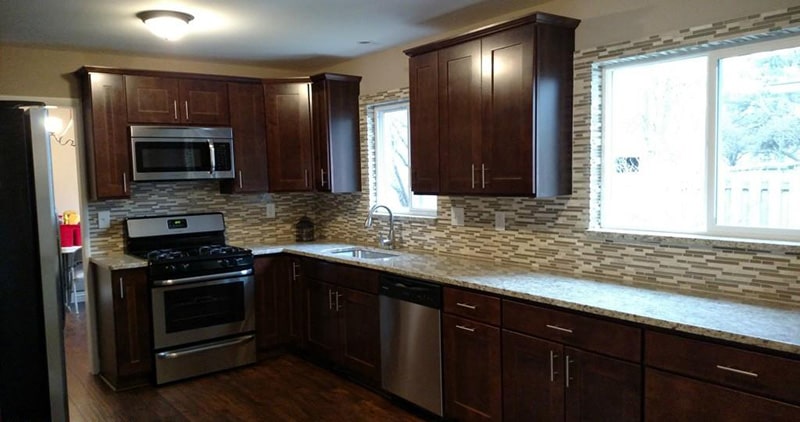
(397, 216)
(684, 240)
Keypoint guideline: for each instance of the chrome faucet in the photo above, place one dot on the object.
(384, 242)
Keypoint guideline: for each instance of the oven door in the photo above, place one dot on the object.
(182, 159)
(202, 308)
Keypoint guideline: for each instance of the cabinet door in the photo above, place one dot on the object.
(600, 388)
(460, 118)
(297, 309)
(132, 323)
(288, 136)
(271, 296)
(336, 140)
(152, 99)
(671, 397)
(204, 102)
(424, 113)
(250, 139)
(322, 324)
(472, 370)
(360, 331)
(107, 136)
(507, 147)
(533, 378)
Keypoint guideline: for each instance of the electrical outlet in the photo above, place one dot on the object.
(103, 219)
(457, 216)
(270, 210)
(499, 220)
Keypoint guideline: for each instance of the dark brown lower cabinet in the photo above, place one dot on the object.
(123, 327)
(472, 370)
(272, 291)
(343, 328)
(546, 381)
(670, 397)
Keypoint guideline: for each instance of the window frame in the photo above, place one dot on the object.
(376, 110)
(713, 56)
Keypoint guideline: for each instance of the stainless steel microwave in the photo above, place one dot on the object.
(181, 153)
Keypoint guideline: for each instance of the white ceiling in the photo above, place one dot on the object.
(289, 33)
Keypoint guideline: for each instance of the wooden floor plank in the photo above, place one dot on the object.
(282, 388)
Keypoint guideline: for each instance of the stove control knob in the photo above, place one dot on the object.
(223, 263)
(170, 268)
(185, 266)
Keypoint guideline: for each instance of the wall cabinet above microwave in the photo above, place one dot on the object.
(156, 99)
(491, 110)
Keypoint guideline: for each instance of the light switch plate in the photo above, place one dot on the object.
(456, 216)
(499, 220)
(270, 210)
(103, 219)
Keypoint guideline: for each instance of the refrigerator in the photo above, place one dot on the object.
(32, 366)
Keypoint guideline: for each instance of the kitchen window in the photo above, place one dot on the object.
(392, 164)
(704, 144)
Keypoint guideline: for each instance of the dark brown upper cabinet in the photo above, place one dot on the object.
(172, 100)
(336, 140)
(105, 128)
(248, 122)
(500, 112)
(289, 151)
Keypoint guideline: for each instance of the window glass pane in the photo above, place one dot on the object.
(392, 163)
(654, 146)
(758, 140)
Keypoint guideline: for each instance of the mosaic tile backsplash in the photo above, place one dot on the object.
(547, 235)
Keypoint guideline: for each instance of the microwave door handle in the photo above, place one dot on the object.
(213, 156)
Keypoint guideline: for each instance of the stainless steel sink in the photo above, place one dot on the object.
(357, 252)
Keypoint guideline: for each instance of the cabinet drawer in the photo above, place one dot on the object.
(342, 275)
(472, 305)
(745, 370)
(597, 335)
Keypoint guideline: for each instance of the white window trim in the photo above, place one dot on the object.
(373, 110)
(727, 234)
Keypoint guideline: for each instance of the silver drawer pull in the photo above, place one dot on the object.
(556, 327)
(737, 371)
(461, 327)
(466, 305)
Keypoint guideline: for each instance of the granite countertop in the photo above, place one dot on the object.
(769, 327)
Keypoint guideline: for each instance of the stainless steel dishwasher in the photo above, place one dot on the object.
(411, 355)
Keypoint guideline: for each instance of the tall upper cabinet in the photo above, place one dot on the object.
(491, 110)
(334, 113)
(106, 131)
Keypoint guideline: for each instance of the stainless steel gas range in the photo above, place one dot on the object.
(202, 294)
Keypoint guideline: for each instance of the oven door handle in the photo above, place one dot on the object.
(191, 350)
(186, 280)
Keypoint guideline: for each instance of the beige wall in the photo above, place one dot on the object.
(65, 162)
(602, 22)
(45, 72)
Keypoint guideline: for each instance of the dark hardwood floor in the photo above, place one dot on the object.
(284, 388)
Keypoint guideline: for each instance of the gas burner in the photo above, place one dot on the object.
(205, 251)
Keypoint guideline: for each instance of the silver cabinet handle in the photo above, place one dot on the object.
(213, 156)
(330, 299)
(557, 328)
(568, 377)
(240, 179)
(553, 357)
(121, 290)
(472, 175)
(125, 181)
(305, 174)
(466, 305)
(737, 371)
(175, 108)
(461, 327)
(338, 307)
(483, 176)
(186, 108)
(323, 181)
(294, 271)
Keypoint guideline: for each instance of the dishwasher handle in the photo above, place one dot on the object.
(411, 290)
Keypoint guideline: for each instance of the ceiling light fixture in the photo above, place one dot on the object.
(167, 24)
